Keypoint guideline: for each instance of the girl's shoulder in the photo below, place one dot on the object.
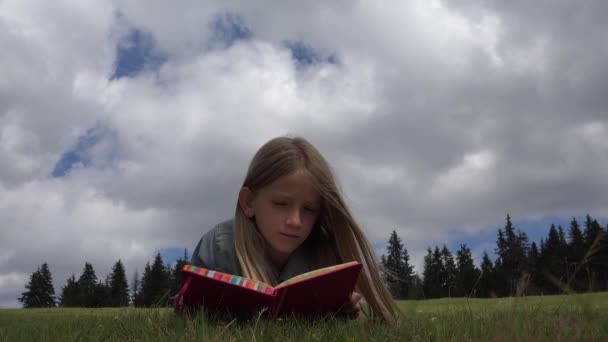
(215, 250)
(223, 228)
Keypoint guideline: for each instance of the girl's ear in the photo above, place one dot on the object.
(246, 201)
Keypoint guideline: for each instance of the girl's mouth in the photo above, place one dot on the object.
(290, 235)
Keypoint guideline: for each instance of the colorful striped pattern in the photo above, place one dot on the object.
(231, 279)
(316, 273)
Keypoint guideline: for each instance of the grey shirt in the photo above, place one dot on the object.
(215, 251)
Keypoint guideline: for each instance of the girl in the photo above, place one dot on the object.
(290, 218)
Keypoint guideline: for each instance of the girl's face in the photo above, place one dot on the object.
(285, 212)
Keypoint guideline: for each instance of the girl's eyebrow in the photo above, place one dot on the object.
(289, 195)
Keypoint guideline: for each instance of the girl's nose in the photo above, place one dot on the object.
(294, 218)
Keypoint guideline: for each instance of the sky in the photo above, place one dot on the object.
(126, 127)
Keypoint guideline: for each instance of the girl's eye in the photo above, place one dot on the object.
(310, 210)
(280, 204)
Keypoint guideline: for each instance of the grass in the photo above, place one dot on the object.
(549, 318)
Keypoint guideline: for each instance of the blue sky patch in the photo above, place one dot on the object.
(135, 54)
(304, 55)
(226, 29)
(171, 254)
(81, 153)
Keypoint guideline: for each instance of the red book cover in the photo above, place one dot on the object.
(322, 291)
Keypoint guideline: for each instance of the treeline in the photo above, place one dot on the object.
(157, 286)
(562, 262)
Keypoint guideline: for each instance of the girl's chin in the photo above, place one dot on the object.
(283, 251)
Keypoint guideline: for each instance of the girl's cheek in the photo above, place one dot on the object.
(310, 217)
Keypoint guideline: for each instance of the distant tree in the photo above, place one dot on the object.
(602, 259)
(593, 246)
(397, 270)
(501, 280)
(87, 283)
(576, 276)
(102, 293)
(487, 281)
(147, 286)
(535, 262)
(577, 241)
(428, 280)
(40, 291)
(70, 293)
(407, 274)
(434, 274)
(466, 274)
(118, 287)
(591, 233)
(383, 260)
(391, 265)
(512, 249)
(552, 268)
(169, 276)
(449, 272)
(416, 290)
(155, 285)
(500, 274)
(563, 255)
(136, 298)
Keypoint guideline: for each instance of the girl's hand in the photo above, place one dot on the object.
(353, 307)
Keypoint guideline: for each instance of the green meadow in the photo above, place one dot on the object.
(550, 318)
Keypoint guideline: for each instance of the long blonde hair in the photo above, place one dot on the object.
(336, 237)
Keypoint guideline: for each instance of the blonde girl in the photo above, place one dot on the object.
(291, 218)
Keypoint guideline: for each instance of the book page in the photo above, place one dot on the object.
(315, 273)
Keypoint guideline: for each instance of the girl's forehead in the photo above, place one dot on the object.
(299, 181)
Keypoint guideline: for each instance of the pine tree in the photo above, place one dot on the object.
(501, 244)
(576, 276)
(501, 287)
(487, 283)
(591, 232)
(427, 276)
(466, 274)
(169, 276)
(383, 260)
(395, 269)
(136, 297)
(406, 274)
(577, 241)
(535, 262)
(551, 265)
(119, 289)
(563, 255)
(155, 285)
(602, 259)
(146, 286)
(70, 293)
(177, 277)
(102, 296)
(87, 283)
(593, 262)
(416, 290)
(40, 291)
(434, 274)
(48, 287)
(449, 272)
(501, 280)
(512, 248)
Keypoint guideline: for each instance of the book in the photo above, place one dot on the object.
(321, 291)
